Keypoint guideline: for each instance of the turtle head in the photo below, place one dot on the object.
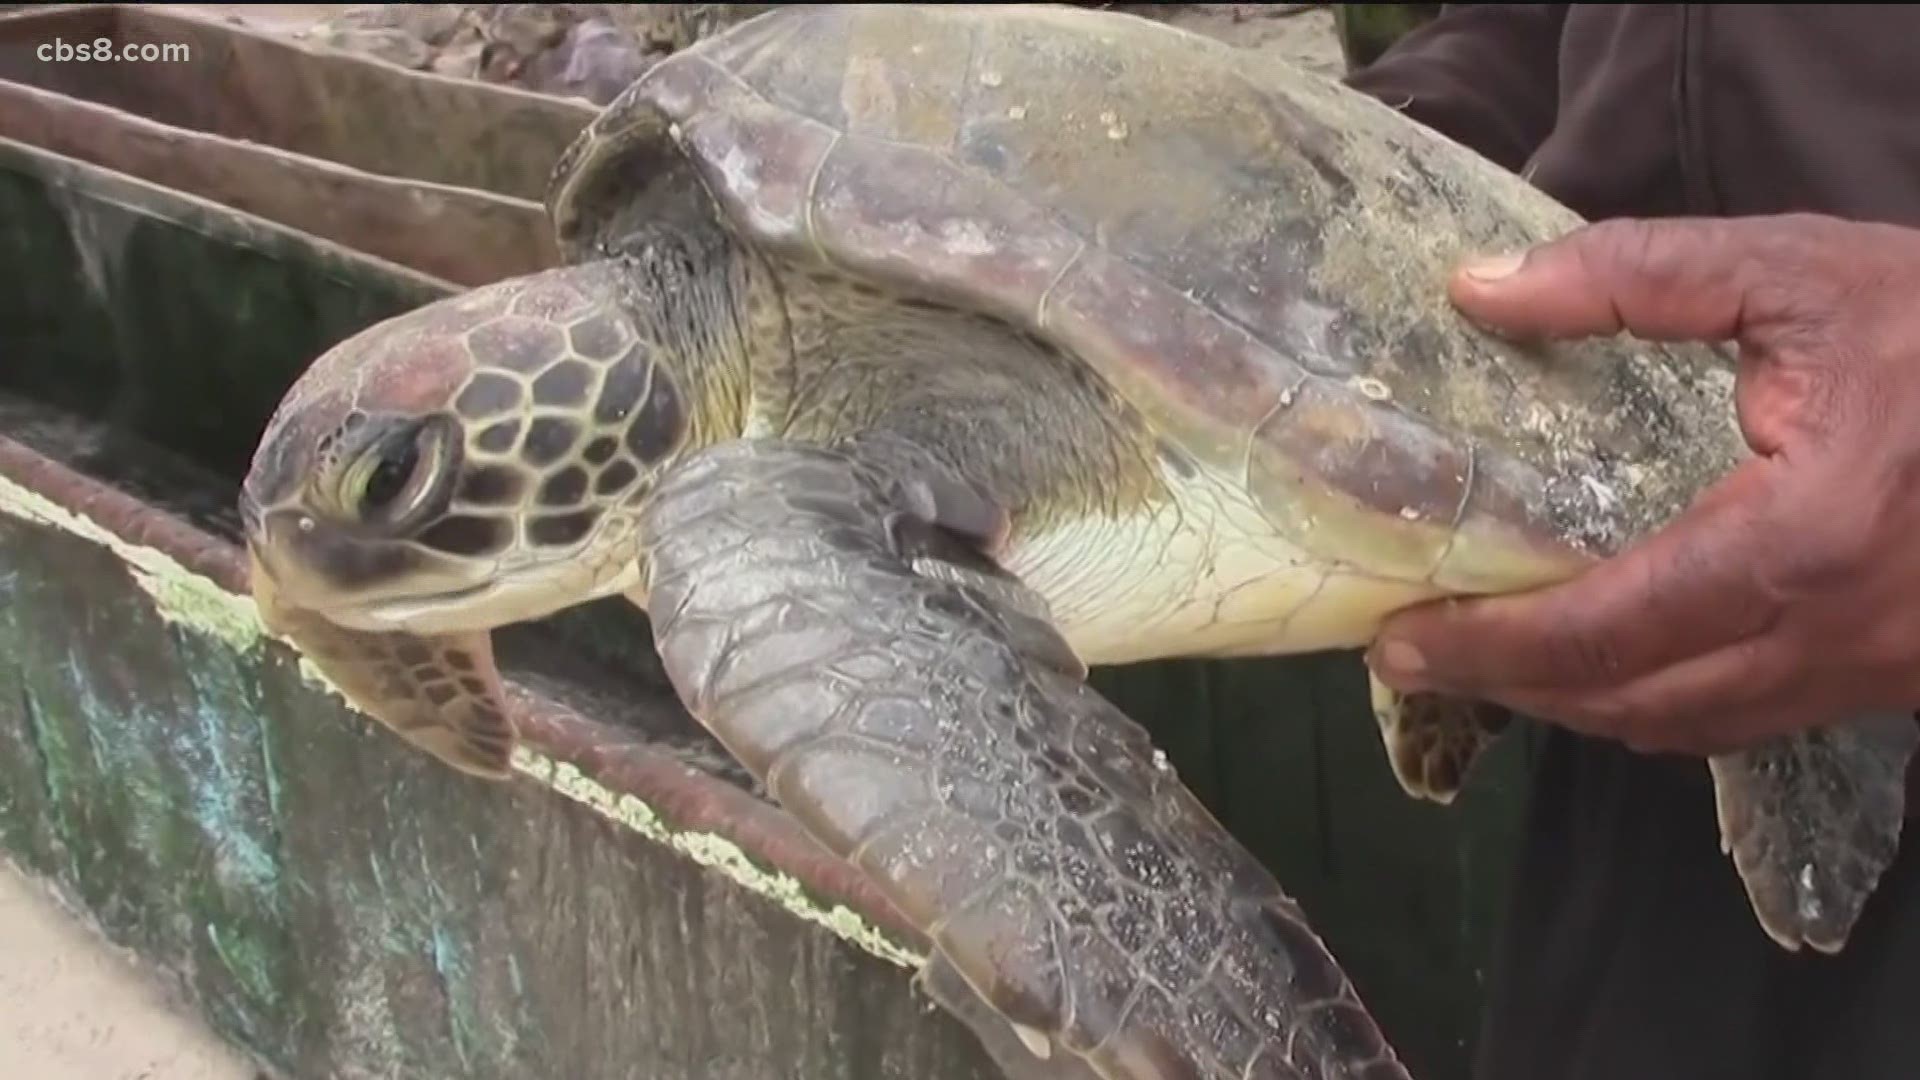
(472, 463)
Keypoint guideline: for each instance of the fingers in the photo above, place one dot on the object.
(1750, 615)
(1666, 280)
(1708, 704)
(1689, 589)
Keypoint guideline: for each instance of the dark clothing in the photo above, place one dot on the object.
(1662, 109)
(1630, 952)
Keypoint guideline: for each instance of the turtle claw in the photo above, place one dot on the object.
(1020, 1052)
(1812, 821)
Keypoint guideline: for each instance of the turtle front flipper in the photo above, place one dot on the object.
(831, 618)
(1812, 821)
(442, 693)
(1432, 740)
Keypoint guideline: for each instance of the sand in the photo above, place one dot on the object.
(74, 1007)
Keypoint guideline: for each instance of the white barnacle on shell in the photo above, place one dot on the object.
(966, 238)
(1602, 494)
(737, 166)
(1371, 388)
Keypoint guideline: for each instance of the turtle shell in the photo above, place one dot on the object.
(1252, 255)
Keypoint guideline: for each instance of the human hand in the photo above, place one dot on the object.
(1788, 595)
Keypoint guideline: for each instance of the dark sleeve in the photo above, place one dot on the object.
(1486, 75)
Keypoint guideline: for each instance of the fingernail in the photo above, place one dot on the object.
(1401, 659)
(1494, 267)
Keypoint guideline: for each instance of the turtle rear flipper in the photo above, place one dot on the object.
(1812, 821)
(1432, 740)
(907, 701)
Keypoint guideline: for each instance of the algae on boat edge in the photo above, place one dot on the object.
(181, 596)
(714, 852)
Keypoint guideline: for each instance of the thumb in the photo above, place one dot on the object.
(1664, 280)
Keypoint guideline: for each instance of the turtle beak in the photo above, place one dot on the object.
(264, 588)
(253, 525)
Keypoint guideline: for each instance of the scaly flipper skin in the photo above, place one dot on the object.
(442, 694)
(901, 698)
(1431, 740)
(1813, 820)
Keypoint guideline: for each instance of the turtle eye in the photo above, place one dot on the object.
(392, 477)
(389, 477)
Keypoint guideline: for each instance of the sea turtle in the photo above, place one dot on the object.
(909, 359)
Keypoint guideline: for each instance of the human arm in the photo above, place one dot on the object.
(1485, 75)
(1788, 595)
